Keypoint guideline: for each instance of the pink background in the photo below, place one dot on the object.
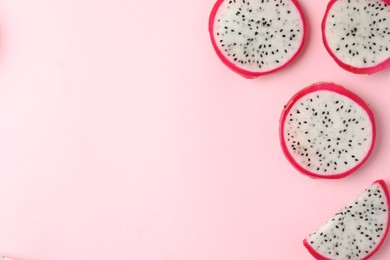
(122, 136)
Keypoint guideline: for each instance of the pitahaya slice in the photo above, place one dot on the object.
(355, 232)
(326, 131)
(257, 37)
(356, 34)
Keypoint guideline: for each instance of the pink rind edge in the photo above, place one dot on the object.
(313, 252)
(342, 91)
(245, 73)
(318, 256)
(368, 70)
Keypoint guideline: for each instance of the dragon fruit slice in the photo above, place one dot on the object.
(355, 232)
(356, 34)
(257, 37)
(326, 131)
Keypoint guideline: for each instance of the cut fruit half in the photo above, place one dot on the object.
(257, 37)
(326, 131)
(356, 34)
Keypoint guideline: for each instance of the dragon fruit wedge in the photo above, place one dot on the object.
(326, 131)
(355, 232)
(356, 34)
(257, 37)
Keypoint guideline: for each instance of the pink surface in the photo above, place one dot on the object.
(123, 136)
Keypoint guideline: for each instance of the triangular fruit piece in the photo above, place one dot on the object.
(355, 232)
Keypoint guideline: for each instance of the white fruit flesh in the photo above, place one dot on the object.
(356, 230)
(358, 32)
(327, 133)
(258, 35)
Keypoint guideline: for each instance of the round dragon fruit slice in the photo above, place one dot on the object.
(257, 37)
(326, 131)
(355, 232)
(356, 34)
